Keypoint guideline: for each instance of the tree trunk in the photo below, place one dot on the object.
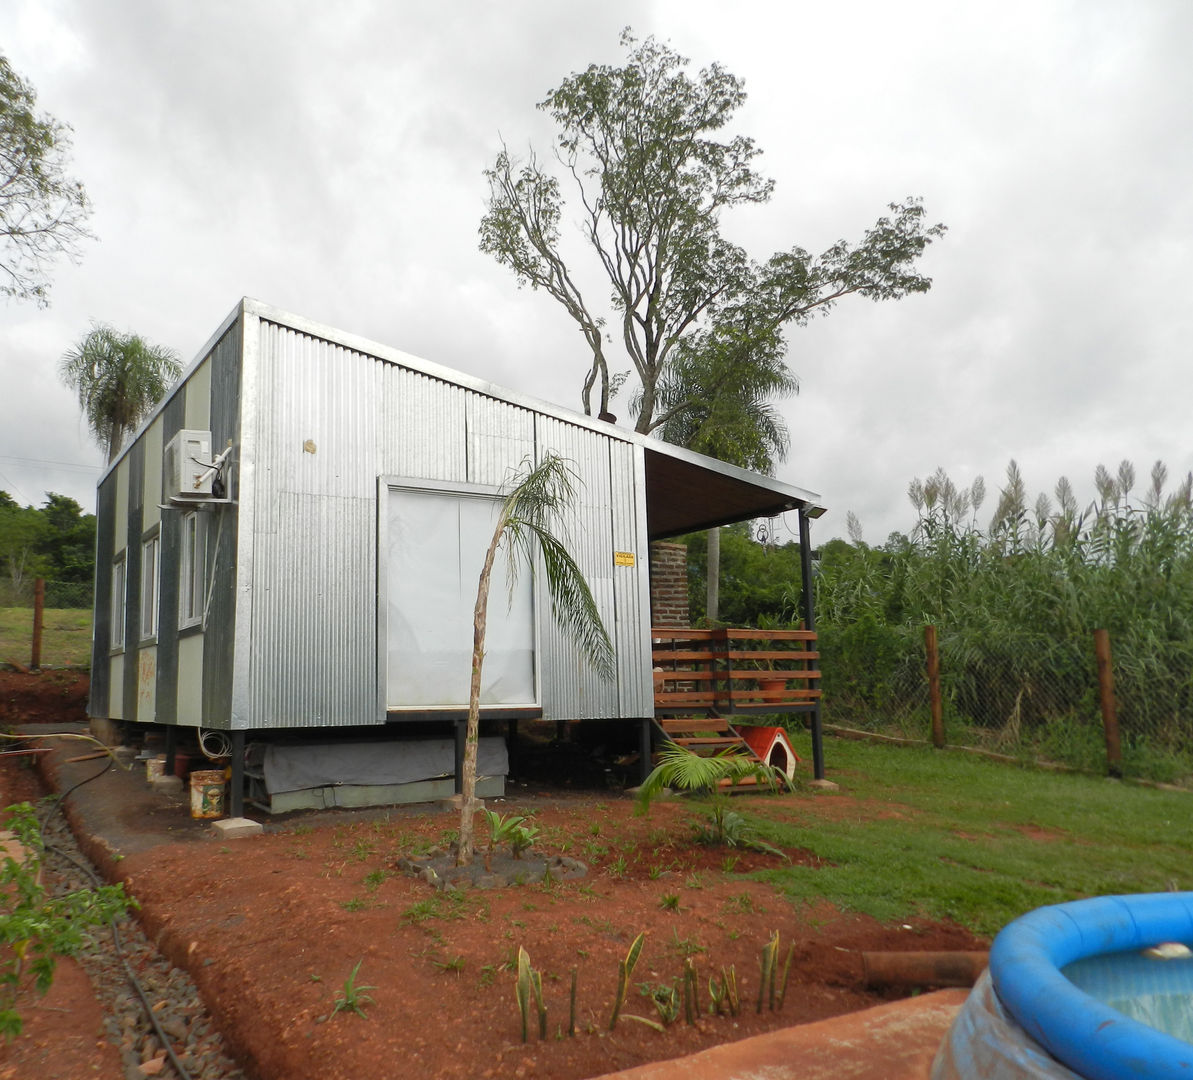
(712, 606)
(467, 843)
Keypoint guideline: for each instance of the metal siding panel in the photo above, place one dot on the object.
(631, 583)
(571, 689)
(314, 649)
(313, 658)
(120, 517)
(421, 425)
(101, 639)
(500, 437)
(151, 482)
(132, 578)
(220, 642)
(197, 409)
(189, 709)
(171, 542)
(115, 666)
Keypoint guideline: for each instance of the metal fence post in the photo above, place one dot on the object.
(1114, 750)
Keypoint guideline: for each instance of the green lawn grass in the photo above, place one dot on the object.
(65, 636)
(947, 835)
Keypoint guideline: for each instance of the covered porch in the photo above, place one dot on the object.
(702, 677)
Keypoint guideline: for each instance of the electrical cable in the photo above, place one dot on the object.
(219, 739)
(132, 978)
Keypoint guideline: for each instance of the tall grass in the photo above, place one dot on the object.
(1016, 605)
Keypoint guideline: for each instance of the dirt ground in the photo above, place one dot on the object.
(272, 927)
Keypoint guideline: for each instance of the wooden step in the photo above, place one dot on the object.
(680, 724)
(725, 742)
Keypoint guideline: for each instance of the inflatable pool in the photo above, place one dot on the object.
(1028, 1017)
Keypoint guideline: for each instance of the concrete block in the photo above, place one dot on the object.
(823, 785)
(233, 828)
(169, 784)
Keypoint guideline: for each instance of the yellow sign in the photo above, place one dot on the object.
(623, 558)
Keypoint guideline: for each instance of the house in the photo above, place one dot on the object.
(288, 550)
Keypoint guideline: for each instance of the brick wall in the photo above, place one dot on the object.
(668, 584)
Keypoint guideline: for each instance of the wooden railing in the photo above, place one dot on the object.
(732, 670)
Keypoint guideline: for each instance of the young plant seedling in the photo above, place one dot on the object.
(353, 998)
(624, 970)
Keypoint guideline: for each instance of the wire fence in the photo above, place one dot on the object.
(63, 638)
(58, 594)
(1037, 700)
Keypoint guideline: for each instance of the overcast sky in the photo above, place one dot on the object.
(327, 159)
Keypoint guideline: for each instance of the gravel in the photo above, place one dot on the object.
(176, 1003)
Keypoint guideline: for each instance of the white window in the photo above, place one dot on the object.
(149, 576)
(437, 543)
(191, 584)
(119, 596)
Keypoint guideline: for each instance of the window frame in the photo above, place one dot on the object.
(150, 598)
(119, 611)
(192, 571)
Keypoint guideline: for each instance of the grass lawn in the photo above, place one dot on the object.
(949, 835)
(65, 636)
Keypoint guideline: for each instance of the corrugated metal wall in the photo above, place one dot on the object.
(290, 637)
(312, 648)
(330, 420)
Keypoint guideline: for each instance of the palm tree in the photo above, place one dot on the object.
(683, 769)
(118, 378)
(717, 400)
(534, 497)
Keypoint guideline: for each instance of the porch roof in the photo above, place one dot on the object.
(687, 492)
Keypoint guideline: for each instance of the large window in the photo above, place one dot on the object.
(191, 585)
(119, 598)
(436, 547)
(149, 581)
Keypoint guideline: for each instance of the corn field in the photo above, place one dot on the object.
(1015, 606)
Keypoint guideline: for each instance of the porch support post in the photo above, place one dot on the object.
(236, 802)
(805, 567)
(171, 746)
(644, 734)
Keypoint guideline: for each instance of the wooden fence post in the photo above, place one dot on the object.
(1114, 750)
(934, 699)
(39, 605)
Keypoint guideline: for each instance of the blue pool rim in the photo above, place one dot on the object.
(1081, 1032)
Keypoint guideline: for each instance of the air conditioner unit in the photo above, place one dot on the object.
(186, 471)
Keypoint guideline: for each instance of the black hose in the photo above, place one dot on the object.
(58, 802)
(132, 978)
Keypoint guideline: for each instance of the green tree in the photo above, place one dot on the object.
(532, 502)
(42, 209)
(69, 542)
(118, 379)
(653, 176)
(22, 533)
(729, 414)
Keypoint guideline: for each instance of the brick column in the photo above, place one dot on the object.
(669, 584)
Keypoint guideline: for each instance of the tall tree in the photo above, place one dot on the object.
(118, 379)
(641, 145)
(524, 527)
(42, 209)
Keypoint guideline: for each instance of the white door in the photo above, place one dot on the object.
(436, 545)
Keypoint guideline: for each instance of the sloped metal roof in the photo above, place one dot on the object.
(685, 491)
